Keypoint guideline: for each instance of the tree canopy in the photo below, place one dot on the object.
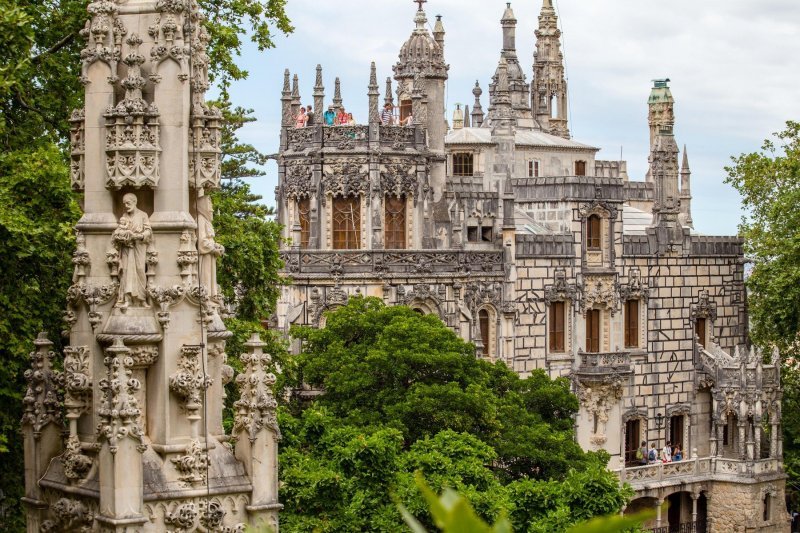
(403, 393)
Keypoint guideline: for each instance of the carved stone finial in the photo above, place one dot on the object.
(41, 402)
(256, 407)
(119, 409)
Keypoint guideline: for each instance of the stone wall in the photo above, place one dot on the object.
(736, 507)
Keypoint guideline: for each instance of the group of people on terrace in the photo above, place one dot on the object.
(306, 117)
(668, 454)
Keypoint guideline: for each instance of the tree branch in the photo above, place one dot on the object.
(55, 48)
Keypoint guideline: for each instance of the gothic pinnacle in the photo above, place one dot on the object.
(286, 80)
(389, 99)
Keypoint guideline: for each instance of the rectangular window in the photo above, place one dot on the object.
(725, 438)
(533, 169)
(556, 324)
(580, 168)
(700, 330)
(303, 211)
(347, 223)
(632, 324)
(593, 232)
(676, 430)
(486, 233)
(472, 233)
(632, 442)
(462, 164)
(593, 330)
(395, 222)
(483, 319)
(405, 110)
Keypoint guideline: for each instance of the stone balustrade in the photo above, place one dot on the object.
(603, 364)
(353, 137)
(698, 468)
(425, 262)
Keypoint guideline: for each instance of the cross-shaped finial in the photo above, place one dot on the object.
(420, 2)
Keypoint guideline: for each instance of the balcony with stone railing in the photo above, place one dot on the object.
(603, 366)
(353, 137)
(697, 469)
(385, 262)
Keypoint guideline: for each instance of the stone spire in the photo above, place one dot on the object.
(389, 98)
(466, 117)
(296, 104)
(337, 95)
(477, 110)
(438, 33)
(686, 192)
(286, 100)
(144, 364)
(666, 232)
(519, 90)
(374, 94)
(502, 125)
(549, 87)
(660, 110)
(319, 94)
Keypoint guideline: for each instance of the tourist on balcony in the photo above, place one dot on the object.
(387, 115)
(641, 453)
(408, 121)
(310, 116)
(652, 456)
(329, 116)
(301, 118)
(342, 118)
(350, 120)
(666, 453)
(677, 454)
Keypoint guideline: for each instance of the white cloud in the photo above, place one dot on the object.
(732, 65)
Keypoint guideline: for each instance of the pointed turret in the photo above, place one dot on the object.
(466, 117)
(502, 124)
(337, 95)
(286, 100)
(686, 192)
(519, 90)
(458, 118)
(389, 98)
(438, 33)
(549, 86)
(374, 94)
(660, 110)
(319, 94)
(477, 110)
(295, 96)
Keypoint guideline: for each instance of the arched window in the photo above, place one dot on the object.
(303, 211)
(395, 222)
(593, 232)
(346, 223)
(483, 322)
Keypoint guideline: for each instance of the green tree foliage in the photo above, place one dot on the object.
(403, 393)
(769, 182)
(39, 87)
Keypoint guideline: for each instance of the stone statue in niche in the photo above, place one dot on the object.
(131, 238)
(209, 249)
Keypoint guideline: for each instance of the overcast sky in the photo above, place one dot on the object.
(733, 66)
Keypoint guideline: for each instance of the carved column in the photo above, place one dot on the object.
(742, 440)
(256, 430)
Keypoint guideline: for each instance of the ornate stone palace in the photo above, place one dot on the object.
(128, 437)
(545, 257)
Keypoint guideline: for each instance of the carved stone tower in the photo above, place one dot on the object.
(549, 87)
(518, 89)
(421, 69)
(144, 363)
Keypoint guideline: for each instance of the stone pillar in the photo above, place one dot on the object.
(756, 453)
(659, 504)
(257, 434)
(695, 497)
(319, 97)
(742, 440)
(773, 440)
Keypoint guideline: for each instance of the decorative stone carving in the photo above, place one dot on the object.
(635, 289)
(80, 258)
(344, 137)
(561, 290)
(297, 183)
(334, 297)
(346, 177)
(300, 138)
(187, 257)
(119, 411)
(166, 298)
(144, 356)
(93, 296)
(77, 138)
(209, 249)
(598, 401)
(183, 517)
(397, 136)
(104, 33)
(132, 131)
(189, 382)
(69, 515)
(204, 136)
(704, 308)
(76, 464)
(41, 404)
(192, 466)
(399, 179)
(132, 238)
(256, 407)
(598, 207)
(77, 380)
(599, 291)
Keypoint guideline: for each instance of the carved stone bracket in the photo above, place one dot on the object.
(598, 399)
(69, 515)
(166, 298)
(189, 382)
(704, 308)
(93, 296)
(187, 257)
(192, 466)
(77, 380)
(76, 464)
(599, 291)
(635, 289)
(561, 290)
